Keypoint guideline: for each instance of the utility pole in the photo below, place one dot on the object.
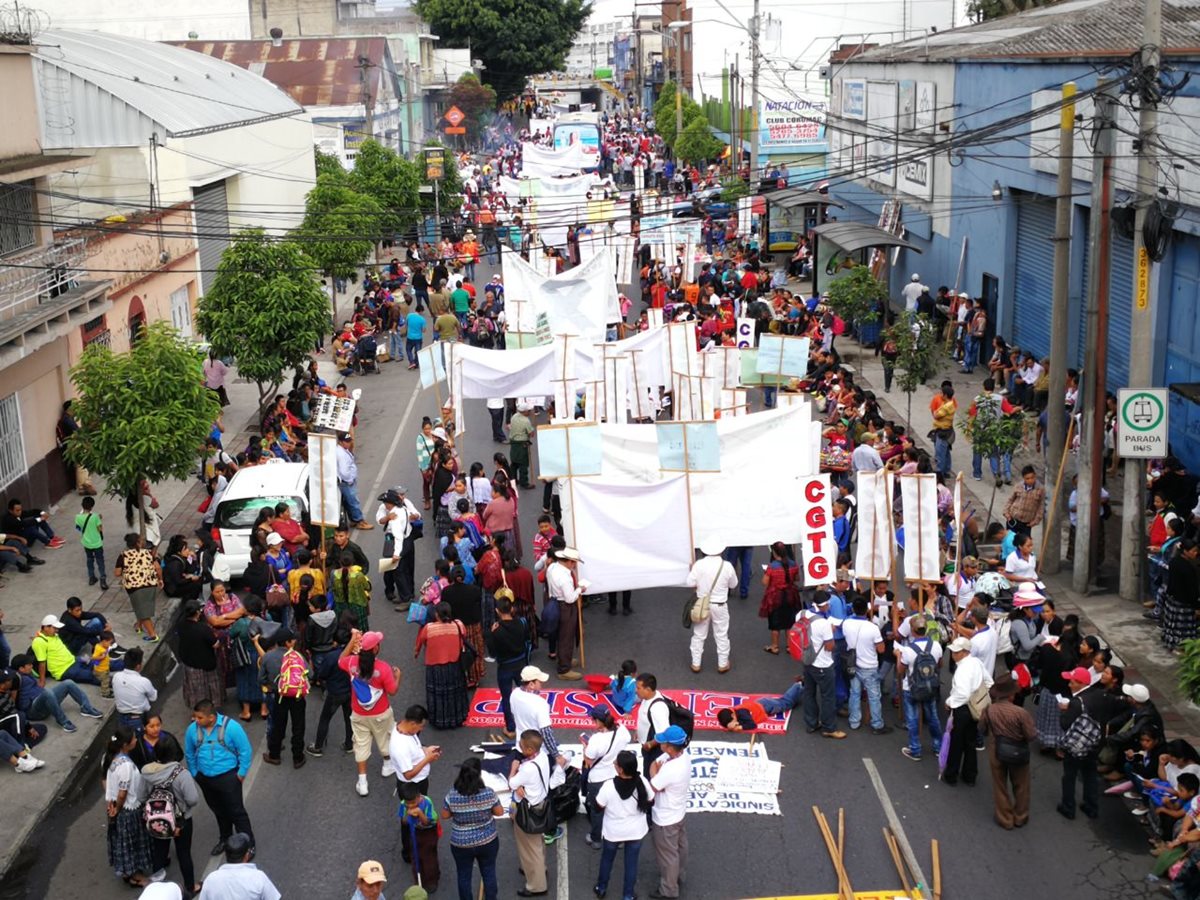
(735, 118)
(1055, 413)
(678, 85)
(1091, 475)
(1133, 531)
(755, 176)
(637, 59)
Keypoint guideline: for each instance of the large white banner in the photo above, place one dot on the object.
(918, 506)
(631, 536)
(875, 539)
(324, 498)
(581, 301)
(554, 194)
(818, 550)
(546, 162)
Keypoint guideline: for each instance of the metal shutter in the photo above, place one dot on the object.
(1120, 310)
(212, 228)
(1034, 276)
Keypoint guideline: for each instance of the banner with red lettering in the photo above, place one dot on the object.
(818, 552)
(569, 709)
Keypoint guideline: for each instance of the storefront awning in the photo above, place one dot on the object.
(851, 236)
(792, 198)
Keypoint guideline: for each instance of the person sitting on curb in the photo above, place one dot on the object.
(33, 525)
(16, 734)
(14, 550)
(39, 702)
(55, 659)
(81, 629)
(749, 715)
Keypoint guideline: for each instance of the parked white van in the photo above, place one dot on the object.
(249, 491)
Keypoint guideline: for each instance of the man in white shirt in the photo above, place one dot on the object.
(985, 641)
(347, 474)
(529, 780)
(670, 776)
(396, 514)
(238, 878)
(565, 586)
(969, 677)
(132, 691)
(713, 577)
(961, 584)
(865, 457)
(495, 408)
(410, 760)
(820, 694)
(911, 291)
(653, 718)
(916, 708)
(865, 641)
(531, 711)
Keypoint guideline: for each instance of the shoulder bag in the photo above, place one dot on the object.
(467, 653)
(535, 818)
(701, 608)
(980, 700)
(277, 594)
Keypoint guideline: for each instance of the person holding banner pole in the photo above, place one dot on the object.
(566, 587)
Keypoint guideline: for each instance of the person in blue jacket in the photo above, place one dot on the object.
(218, 756)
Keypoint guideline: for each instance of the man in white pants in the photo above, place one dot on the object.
(713, 577)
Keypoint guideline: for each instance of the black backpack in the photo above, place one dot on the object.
(923, 680)
(677, 715)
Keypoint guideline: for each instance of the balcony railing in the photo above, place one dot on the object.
(36, 276)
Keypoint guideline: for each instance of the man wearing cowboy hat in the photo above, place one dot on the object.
(565, 586)
(396, 514)
(1013, 727)
(712, 577)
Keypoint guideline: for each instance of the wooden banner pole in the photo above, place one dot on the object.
(958, 530)
(324, 508)
(687, 482)
(574, 539)
(1049, 522)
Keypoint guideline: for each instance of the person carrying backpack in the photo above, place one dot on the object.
(285, 678)
(169, 796)
(1081, 740)
(918, 664)
(820, 697)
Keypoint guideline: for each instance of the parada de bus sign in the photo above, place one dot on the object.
(1142, 423)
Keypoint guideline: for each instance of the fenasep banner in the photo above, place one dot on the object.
(569, 709)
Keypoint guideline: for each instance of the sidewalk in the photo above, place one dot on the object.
(1119, 623)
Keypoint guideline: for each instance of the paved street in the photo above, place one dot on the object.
(732, 855)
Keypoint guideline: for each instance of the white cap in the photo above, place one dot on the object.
(1137, 692)
(712, 548)
(274, 540)
(960, 645)
(533, 673)
(52, 620)
(916, 276)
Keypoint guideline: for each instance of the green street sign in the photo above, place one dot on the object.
(1142, 423)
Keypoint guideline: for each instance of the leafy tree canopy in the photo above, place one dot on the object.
(983, 10)
(389, 179)
(477, 101)
(341, 226)
(327, 163)
(265, 307)
(514, 38)
(142, 414)
(856, 294)
(664, 114)
(697, 144)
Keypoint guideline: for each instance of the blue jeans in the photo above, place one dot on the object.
(48, 704)
(395, 343)
(970, 353)
(608, 855)
(912, 720)
(81, 674)
(740, 558)
(95, 564)
(469, 271)
(506, 678)
(790, 699)
(38, 531)
(841, 682)
(769, 397)
(350, 500)
(5, 651)
(820, 700)
(941, 456)
(410, 350)
(869, 679)
(464, 861)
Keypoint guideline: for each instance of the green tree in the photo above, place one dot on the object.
(917, 345)
(514, 38)
(389, 179)
(992, 433)
(664, 106)
(855, 296)
(733, 188)
(477, 101)
(340, 227)
(327, 163)
(142, 414)
(265, 308)
(697, 144)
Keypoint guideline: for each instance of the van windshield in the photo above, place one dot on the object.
(242, 513)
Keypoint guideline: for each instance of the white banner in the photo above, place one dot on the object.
(875, 539)
(324, 498)
(581, 301)
(538, 161)
(918, 499)
(818, 550)
(745, 333)
(631, 536)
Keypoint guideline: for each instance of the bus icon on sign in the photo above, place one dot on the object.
(1142, 412)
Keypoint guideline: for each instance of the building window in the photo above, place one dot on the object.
(18, 214)
(12, 449)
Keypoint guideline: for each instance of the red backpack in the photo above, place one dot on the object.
(800, 642)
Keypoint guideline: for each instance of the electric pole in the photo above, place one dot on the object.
(755, 177)
(1091, 475)
(1133, 531)
(1056, 419)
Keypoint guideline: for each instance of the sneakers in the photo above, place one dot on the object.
(360, 786)
(1132, 795)
(69, 727)
(549, 839)
(28, 764)
(570, 676)
(885, 729)
(314, 750)
(915, 757)
(388, 769)
(347, 748)
(56, 542)
(91, 713)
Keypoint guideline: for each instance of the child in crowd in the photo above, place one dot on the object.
(90, 526)
(622, 689)
(103, 662)
(419, 833)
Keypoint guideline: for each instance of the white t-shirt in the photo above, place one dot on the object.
(660, 713)
(911, 293)
(862, 635)
(531, 712)
(983, 647)
(964, 586)
(908, 655)
(821, 630)
(406, 752)
(712, 573)
(602, 748)
(1021, 569)
(623, 821)
(534, 776)
(672, 786)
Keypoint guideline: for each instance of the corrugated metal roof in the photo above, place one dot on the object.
(102, 89)
(313, 71)
(1072, 29)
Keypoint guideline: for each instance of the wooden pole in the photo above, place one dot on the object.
(841, 834)
(574, 537)
(1050, 516)
(324, 508)
(845, 892)
(937, 871)
(687, 481)
(890, 840)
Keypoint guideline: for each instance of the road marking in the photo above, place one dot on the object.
(563, 873)
(894, 821)
(387, 460)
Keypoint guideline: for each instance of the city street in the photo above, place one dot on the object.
(732, 855)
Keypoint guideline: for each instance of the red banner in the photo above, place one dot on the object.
(569, 709)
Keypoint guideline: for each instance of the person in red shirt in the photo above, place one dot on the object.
(749, 280)
(372, 684)
(749, 715)
(293, 533)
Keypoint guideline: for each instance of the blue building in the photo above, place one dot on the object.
(982, 210)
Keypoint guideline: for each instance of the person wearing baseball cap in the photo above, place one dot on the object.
(54, 657)
(670, 776)
(371, 880)
(531, 711)
(1082, 739)
(713, 578)
(969, 678)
